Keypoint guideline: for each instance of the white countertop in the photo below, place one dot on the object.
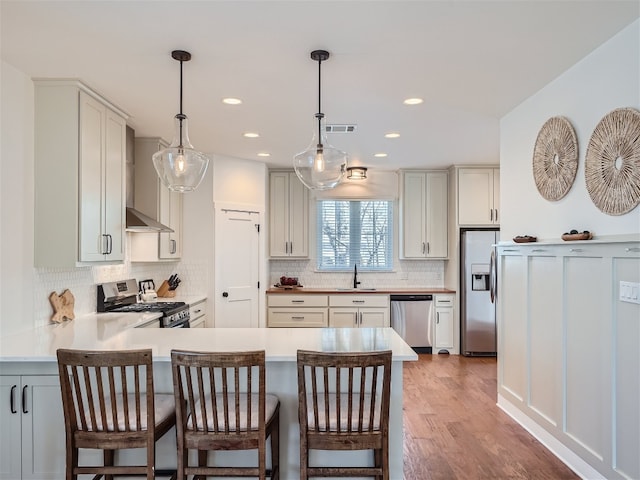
(114, 331)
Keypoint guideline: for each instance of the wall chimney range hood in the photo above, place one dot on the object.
(136, 221)
(139, 222)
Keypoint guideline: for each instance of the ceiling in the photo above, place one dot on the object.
(471, 62)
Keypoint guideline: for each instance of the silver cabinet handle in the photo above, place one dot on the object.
(491, 214)
(538, 250)
(576, 250)
(173, 246)
(632, 249)
(423, 247)
(291, 248)
(438, 317)
(197, 311)
(297, 301)
(496, 219)
(357, 301)
(360, 318)
(105, 244)
(297, 318)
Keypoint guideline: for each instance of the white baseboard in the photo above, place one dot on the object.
(555, 446)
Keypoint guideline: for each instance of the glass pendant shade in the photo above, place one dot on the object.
(321, 166)
(179, 166)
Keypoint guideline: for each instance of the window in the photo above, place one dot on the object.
(354, 232)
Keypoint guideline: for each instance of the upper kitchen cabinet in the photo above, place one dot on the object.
(288, 216)
(423, 216)
(478, 196)
(152, 198)
(79, 176)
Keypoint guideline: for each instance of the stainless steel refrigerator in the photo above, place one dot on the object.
(478, 313)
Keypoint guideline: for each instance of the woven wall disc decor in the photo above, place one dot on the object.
(555, 158)
(612, 164)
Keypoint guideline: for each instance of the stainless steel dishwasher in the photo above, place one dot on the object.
(412, 318)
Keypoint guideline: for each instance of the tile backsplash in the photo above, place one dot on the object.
(407, 273)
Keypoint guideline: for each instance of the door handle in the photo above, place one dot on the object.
(225, 294)
(12, 399)
(24, 399)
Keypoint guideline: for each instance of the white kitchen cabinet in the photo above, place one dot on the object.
(444, 323)
(302, 310)
(32, 432)
(424, 215)
(478, 196)
(198, 314)
(288, 216)
(80, 142)
(355, 311)
(158, 202)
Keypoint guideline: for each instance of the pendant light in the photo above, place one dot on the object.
(179, 166)
(321, 166)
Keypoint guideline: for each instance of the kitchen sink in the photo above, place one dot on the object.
(355, 289)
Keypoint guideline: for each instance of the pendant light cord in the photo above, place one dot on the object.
(319, 115)
(180, 115)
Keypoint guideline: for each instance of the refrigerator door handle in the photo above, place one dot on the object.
(492, 277)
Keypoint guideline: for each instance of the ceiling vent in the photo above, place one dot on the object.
(341, 128)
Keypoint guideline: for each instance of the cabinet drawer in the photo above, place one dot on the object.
(444, 301)
(366, 300)
(297, 300)
(197, 310)
(307, 317)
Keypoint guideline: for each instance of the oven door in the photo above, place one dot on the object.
(182, 323)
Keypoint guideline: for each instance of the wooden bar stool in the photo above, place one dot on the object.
(109, 404)
(221, 404)
(343, 404)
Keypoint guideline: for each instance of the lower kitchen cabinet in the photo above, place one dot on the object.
(198, 314)
(32, 432)
(444, 323)
(355, 311)
(297, 310)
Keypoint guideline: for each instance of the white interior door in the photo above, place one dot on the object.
(237, 267)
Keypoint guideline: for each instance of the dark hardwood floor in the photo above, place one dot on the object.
(454, 430)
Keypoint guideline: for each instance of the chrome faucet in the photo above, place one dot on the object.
(355, 276)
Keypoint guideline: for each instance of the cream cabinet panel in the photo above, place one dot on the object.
(155, 200)
(33, 432)
(478, 196)
(79, 176)
(344, 317)
(303, 310)
(198, 314)
(424, 215)
(290, 317)
(359, 301)
(354, 311)
(288, 216)
(444, 323)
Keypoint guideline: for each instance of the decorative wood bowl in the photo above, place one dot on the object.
(569, 237)
(525, 239)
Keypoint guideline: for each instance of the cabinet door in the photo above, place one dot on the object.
(279, 214)
(343, 317)
(93, 240)
(114, 199)
(10, 448)
(298, 221)
(374, 317)
(475, 196)
(413, 215)
(444, 328)
(43, 430)
(170, 214)
(437, 215)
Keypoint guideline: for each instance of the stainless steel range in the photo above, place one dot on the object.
(123, 297)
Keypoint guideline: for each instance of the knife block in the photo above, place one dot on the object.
(164, 291)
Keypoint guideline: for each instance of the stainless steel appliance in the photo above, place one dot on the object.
(412, 318)
(478, 313)
(123, 297)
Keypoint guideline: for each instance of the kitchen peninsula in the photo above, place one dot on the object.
(28, 359)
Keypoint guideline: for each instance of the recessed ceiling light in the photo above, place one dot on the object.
(392, 135)
(380, 155)
(232, 101)
(413, 101)
(264, 154)
(250, 135)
